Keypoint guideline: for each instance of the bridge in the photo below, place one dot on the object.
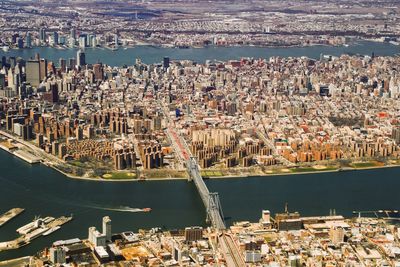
(210, 199)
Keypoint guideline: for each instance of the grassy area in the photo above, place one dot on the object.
(311, 169)
(77, 163)
(120, 175)
(209, 173)
(366, 164)
(164, 173)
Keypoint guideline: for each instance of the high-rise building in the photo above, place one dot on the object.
(62, 64)
(396, 134)
(33, 72)
(93, 40)
(82, 41)
(20, 43)
(73, 33)
(96, 238)
(28, 40)
(265, 218)
(98, 71)
(42, 34)
(116, 39)
(336, 235)
(71, 63)
(107, 227)
(193, 233)
(166, 63)
(58, 255)
(80, 58)
(43, 69)
(55, 38)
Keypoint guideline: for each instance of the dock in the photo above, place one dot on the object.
(18, 152)
(9, 215)
(35, 230)
(28, 157)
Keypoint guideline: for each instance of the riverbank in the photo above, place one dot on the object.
(247, 175)
(168, 175)
(153, 54)
(284, 171)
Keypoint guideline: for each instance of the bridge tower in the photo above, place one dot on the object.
(214, 207)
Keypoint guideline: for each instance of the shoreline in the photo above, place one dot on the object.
(50, 164)
(350, 169)
(242, 176)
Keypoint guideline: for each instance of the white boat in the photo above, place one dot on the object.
(29, 227)
(48, 219)
(36, 233)
(6, 48)
(51, 230)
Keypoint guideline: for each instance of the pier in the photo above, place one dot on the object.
(34, 230)
(9, 215)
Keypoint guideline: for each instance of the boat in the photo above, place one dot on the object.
(48, 219)
(36, 233)
(146, 209)
(6, 48)
(51, 230)
(29, 227)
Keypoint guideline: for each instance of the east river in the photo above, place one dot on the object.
(45, 192)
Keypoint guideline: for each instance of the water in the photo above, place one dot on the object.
(43, 191)
(150, 54)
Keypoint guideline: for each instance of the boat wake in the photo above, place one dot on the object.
(121, 209)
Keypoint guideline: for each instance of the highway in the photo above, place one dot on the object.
(230, 250)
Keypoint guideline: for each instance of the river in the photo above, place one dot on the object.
(150, 54)
(43, 191)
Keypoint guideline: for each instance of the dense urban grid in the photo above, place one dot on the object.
(250, 116)
(182, 119)
(194, 23)
(287, 239)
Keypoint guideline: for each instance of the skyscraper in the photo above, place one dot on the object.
(116, 39)
(73, 33)
(71, 63)
(28, 40)
(80, 58)
(43, 69)
(20, 43)
(166, 63)
(42, 34)
(55, 38)
(33, 72)
(62, 64)
(107, 227)
(82, 41)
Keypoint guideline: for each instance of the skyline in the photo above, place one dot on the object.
(267, 105)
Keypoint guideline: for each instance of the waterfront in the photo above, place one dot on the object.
(43, 191)
(150, 54)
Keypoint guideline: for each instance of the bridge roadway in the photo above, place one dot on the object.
(210, 200)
